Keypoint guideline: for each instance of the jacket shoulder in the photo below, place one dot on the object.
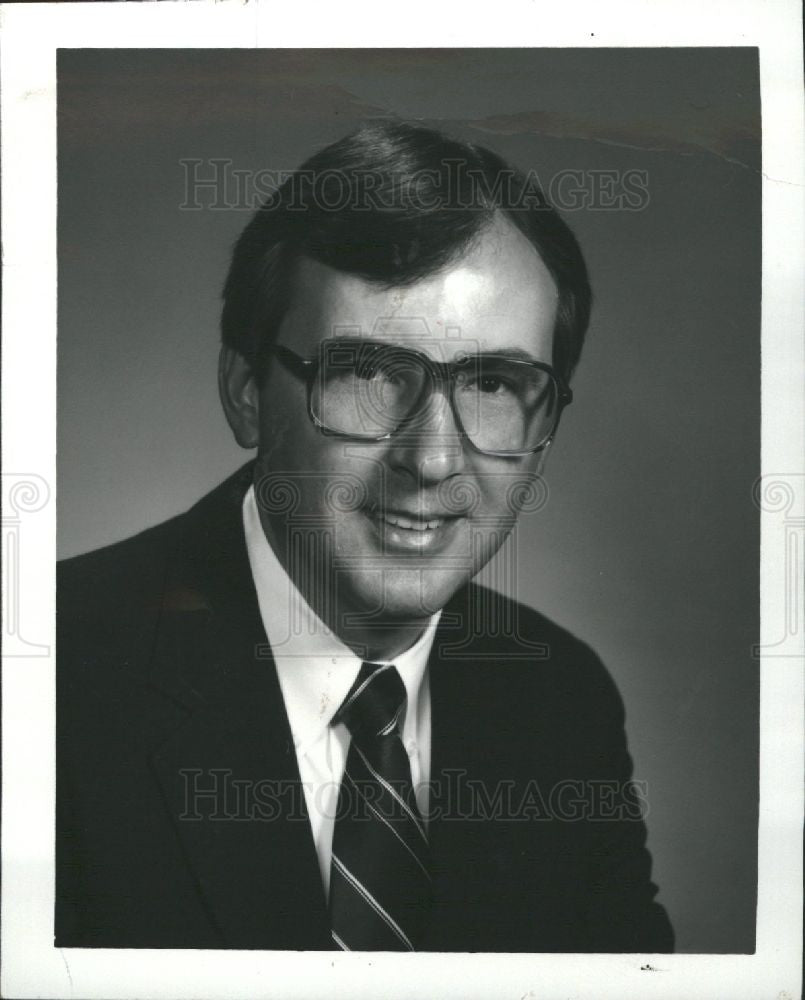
(537, 649)
(514, 627)
(134, 573)
(129, 573)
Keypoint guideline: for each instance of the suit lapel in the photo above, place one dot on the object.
(491, 735)
(228, 771)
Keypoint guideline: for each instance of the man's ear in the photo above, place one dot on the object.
(239, 397)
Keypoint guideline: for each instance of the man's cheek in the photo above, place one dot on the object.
(490, 527)
(276, 437)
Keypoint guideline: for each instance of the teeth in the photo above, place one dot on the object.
(408, 524)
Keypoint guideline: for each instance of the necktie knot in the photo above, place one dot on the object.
(375, 704)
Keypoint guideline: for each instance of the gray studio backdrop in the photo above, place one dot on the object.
(648, 545)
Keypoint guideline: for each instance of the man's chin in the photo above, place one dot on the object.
(401, 596)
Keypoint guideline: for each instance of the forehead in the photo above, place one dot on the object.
(498, 295)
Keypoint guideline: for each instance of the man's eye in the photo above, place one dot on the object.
(373, 370)
(489, 384)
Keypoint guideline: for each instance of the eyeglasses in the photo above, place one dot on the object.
(369, 391)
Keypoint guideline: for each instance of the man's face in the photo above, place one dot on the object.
(395, 527)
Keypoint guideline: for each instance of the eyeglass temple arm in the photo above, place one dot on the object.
(293, 360)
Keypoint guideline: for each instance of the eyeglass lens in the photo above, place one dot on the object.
(368, 390)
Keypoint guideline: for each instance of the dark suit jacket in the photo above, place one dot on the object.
(166, 683)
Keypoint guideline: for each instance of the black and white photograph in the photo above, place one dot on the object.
(410, 505)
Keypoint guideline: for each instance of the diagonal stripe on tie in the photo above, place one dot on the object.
(380, 881)
(339, 942)
(376, 812)
(363, 893)
(396, 795)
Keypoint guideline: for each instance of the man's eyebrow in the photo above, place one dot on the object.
(515, 353)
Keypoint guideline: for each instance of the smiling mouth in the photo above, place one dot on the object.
(408, 523)
(409, 534)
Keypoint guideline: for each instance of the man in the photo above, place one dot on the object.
(287, 719)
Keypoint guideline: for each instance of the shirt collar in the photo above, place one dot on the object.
(315, 668)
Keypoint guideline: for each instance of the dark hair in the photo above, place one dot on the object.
(393, 203)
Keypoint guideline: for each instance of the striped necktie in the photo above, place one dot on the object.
(379, 879)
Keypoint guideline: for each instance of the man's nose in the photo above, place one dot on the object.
(430, 448)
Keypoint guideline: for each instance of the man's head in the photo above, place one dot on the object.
(391, 482)
(393, 203)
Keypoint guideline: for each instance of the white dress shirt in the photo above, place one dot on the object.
(316, 670)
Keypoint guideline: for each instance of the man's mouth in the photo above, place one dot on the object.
(409, 523)
(406, 531)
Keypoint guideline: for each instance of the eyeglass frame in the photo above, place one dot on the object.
(441, 372)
